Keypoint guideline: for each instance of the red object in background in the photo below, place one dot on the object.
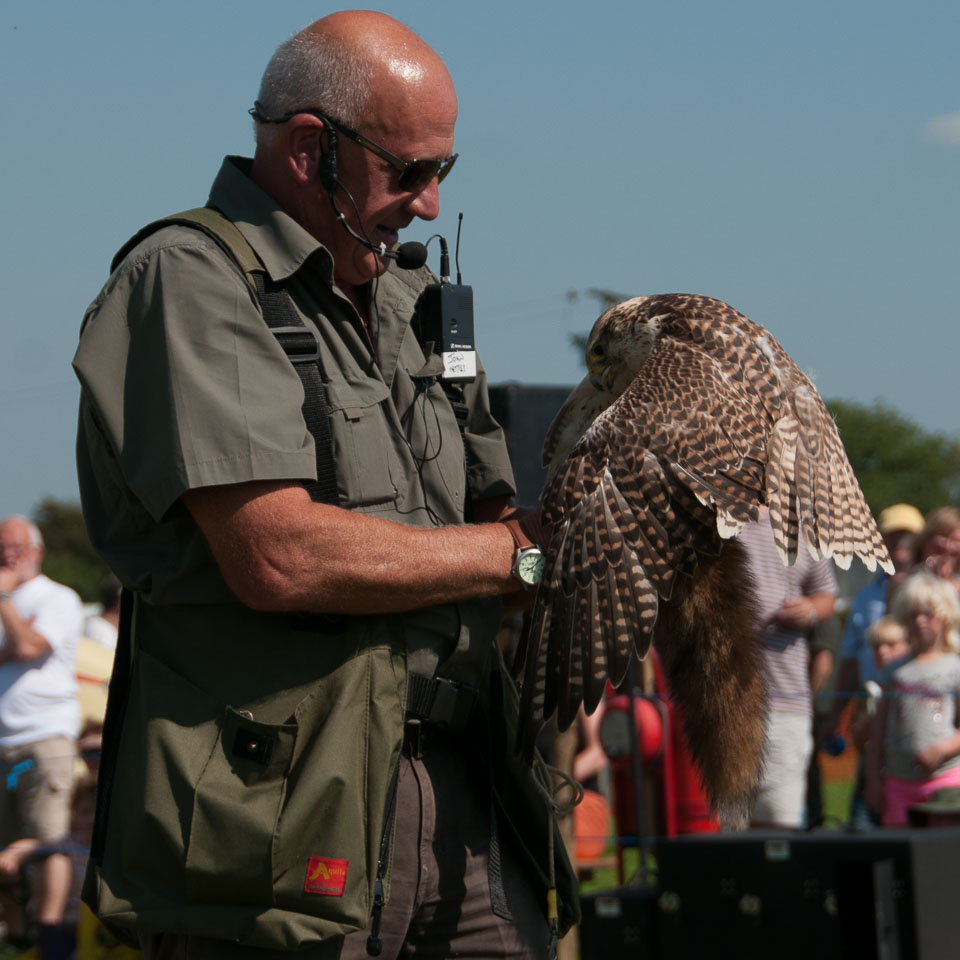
(680, 804)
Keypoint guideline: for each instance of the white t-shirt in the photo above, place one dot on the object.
(101, 631)
(38, 698)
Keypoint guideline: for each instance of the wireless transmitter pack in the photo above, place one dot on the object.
(446, 319)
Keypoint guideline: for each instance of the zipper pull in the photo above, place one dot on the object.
(375, 941)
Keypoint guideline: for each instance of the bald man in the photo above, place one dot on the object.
(40, 623)
(312, 748)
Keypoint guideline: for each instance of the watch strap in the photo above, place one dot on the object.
(520, 537)
(525, 545)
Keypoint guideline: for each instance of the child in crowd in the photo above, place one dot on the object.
(888, 640)
(915, 745)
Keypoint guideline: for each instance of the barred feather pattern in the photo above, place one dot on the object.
(692, 417)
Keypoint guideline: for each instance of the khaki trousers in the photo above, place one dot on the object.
(35, 797)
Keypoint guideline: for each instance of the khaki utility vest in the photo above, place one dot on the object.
(243, 796)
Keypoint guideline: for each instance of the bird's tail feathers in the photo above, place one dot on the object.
(710, 648)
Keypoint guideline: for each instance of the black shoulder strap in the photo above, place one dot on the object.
(280, 315)
(303, 351)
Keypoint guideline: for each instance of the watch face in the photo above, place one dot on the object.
(530, 567)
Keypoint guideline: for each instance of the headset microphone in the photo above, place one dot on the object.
(409, 256)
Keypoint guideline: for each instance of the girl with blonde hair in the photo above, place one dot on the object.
(915, 748)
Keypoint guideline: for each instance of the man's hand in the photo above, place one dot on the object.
(797, 613)
(532, 528)
(804, 613)
(8, 580)
(21, 641)
(530, 521)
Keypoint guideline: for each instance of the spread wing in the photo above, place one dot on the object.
(714, 425)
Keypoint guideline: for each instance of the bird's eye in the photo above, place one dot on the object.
(597, 351)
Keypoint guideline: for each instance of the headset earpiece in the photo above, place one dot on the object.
(327, 165)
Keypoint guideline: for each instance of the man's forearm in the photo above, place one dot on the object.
(821, 669)
(20, 641)
(279, 551)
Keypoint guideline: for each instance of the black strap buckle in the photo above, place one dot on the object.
(298, 342)
(440, 702)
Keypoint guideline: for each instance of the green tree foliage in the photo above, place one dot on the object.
(895, 460)
(69, 558)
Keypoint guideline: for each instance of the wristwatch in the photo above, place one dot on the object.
(528, 566)
(528, 562)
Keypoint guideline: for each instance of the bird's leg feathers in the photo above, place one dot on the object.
(708, 641)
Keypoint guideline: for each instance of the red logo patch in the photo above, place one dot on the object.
(326, 876)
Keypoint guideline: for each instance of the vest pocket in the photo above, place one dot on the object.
(235, 809)
(235, 827)
(367, 466)
(323, 846)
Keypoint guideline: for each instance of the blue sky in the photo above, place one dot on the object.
(800, 161)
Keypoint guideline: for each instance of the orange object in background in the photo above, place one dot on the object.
(591, 826)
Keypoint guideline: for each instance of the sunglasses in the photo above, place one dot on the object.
(413, 175)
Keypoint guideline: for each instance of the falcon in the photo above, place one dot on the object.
(691, 417)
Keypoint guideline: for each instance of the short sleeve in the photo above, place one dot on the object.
(489, 473)
(184, 378)
(820, 578)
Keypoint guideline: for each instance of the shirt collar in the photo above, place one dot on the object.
(278, 240)
(284, 247)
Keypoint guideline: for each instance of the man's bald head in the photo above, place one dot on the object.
(342, 62)
(370, 72)
(21, 547)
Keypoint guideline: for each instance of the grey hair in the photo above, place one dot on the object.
(36, 537)
(311, 70)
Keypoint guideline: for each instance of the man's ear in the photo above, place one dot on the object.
(304, 144)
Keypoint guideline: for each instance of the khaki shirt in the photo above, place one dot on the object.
(184, 386)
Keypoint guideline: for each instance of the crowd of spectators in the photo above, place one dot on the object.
(896, 662)
(898, 675)
(54, 667)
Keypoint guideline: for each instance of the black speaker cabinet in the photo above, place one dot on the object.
(891, 895)
(619, 923)
(525, 413)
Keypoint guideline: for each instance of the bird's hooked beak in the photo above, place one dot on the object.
(601, 375)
